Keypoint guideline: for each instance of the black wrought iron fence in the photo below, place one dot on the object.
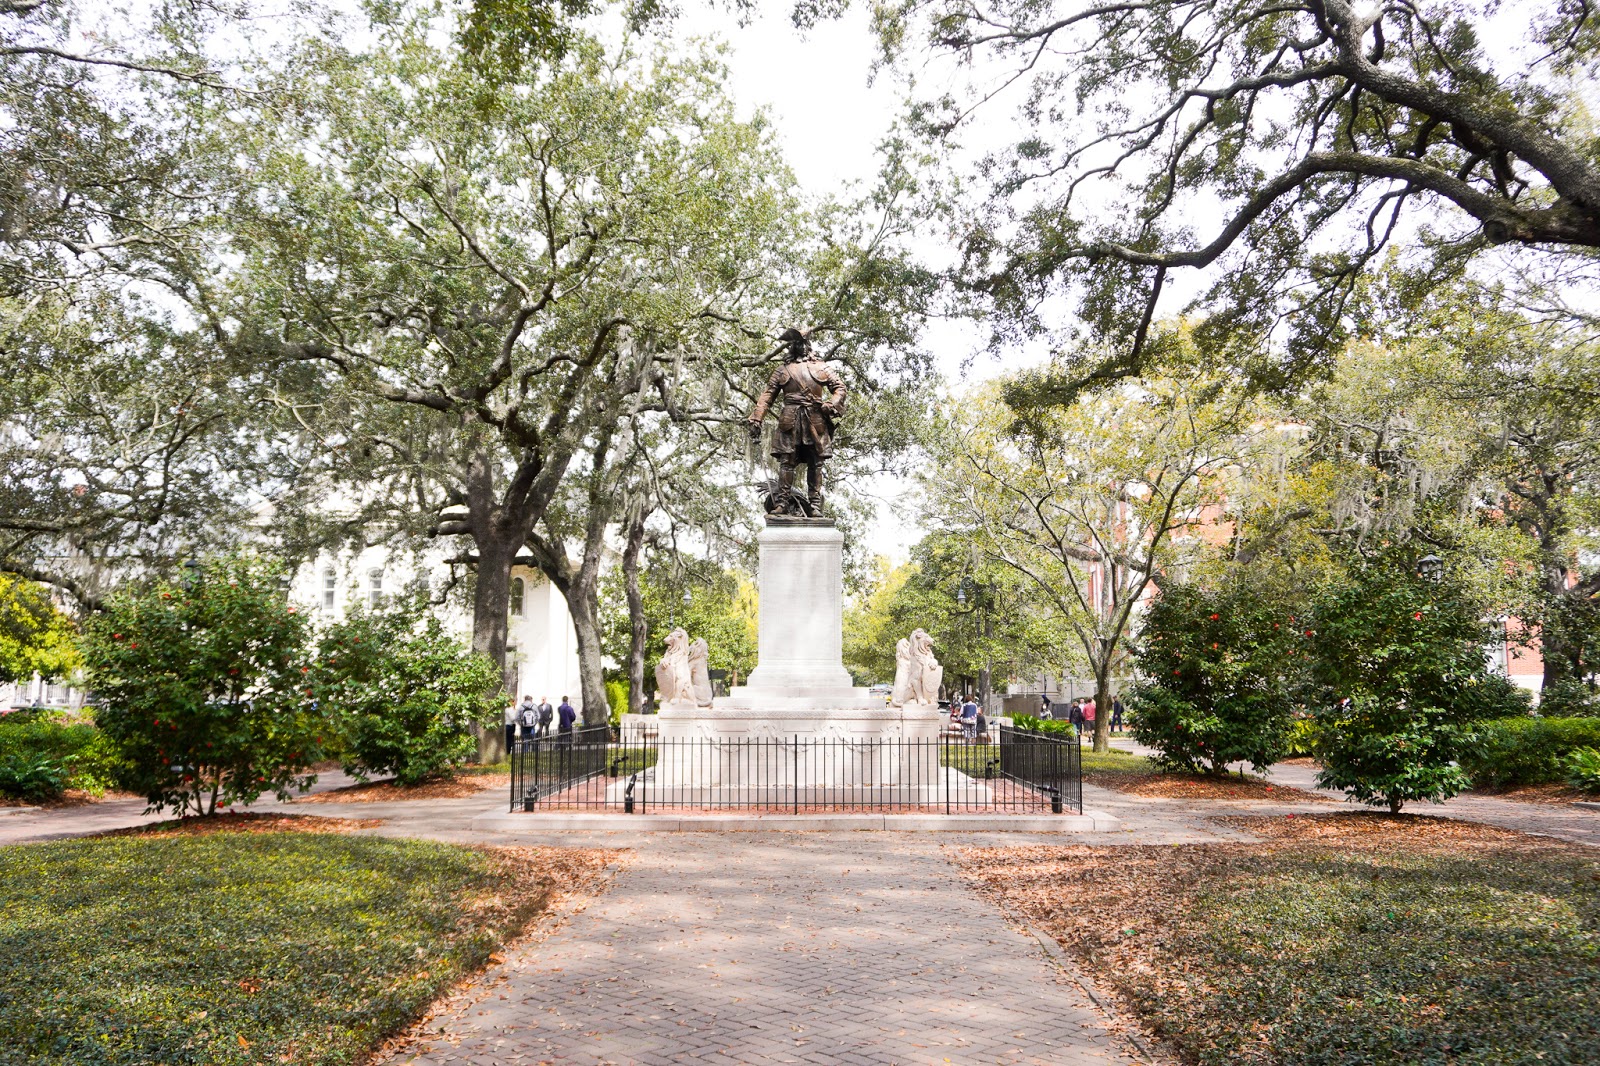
(1017, 771)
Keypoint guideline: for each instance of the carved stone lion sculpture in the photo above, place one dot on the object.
(674, 680)
(699, 673)
(917, 673)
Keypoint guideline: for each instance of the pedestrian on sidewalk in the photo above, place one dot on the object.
(546, 715)
(529, 715)
(1075, 715)
(513, 716)
(1088, 716)
(1116, 714)
(568, 716)
(969, 719)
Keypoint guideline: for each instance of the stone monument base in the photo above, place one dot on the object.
(666, 783)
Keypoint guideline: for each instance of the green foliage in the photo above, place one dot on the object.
(42, 755)
(230, 949)
(1302, 740)
(405, 693)
(1568, 697)
(1525, 750)
(1050, 726)
(35, 637)
(1400, 658)
(617, 699)
(1583, 769)
(204, 688)
(721, 608)
(1223, 666)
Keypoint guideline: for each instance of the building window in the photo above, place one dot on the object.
(330, 588)
(1494, 653)
(375, 587)
(516, 596)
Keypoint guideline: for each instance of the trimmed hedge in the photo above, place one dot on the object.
(1527, 751)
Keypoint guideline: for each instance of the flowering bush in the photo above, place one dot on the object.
(1400, 659)
(1221, 667)
(204, 689)
(405, 694)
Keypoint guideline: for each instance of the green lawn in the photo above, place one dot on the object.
(234, 948)
(1423, 945)
(1116, 761)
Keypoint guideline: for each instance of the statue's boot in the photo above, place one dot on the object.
(814, 483)
(786, 488)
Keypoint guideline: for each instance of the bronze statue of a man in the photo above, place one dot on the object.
(813, 396)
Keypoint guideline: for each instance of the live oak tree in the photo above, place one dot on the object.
(476, 284)
(120, 444)
(1280, 146)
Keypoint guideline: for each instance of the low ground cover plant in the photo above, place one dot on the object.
(1583, 769)
(1340, 939)
(237, 948)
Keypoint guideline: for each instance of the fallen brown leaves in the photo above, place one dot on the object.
(544, 887)
(72, 797)
(459, 787)
(247, 822)
(1198, 786)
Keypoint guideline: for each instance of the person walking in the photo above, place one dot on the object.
(969, 718)
(1116, 714)
(569, 715)
(513, 716)
(1088, 715)
(529, 715)
(546, 714)
(1075, 715)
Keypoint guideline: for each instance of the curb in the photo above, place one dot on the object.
(1090, 821)
(1057, 957)
(1588, 805)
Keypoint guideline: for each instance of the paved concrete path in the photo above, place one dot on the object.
(1580, 825)
(763, 948)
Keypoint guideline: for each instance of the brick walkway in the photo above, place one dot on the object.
(780, 948)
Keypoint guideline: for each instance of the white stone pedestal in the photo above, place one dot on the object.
(799, 723)
(801, 637)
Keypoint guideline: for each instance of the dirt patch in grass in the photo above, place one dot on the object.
(1199, 786)
(246, 822)
(1340, 937)
(459, 787)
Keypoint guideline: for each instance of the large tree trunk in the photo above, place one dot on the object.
(1102, 707)
(491, 603)
(638, 629)
(591, 669)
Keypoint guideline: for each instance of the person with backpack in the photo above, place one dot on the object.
(546, 713)
(530, 719)
(513, 716)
